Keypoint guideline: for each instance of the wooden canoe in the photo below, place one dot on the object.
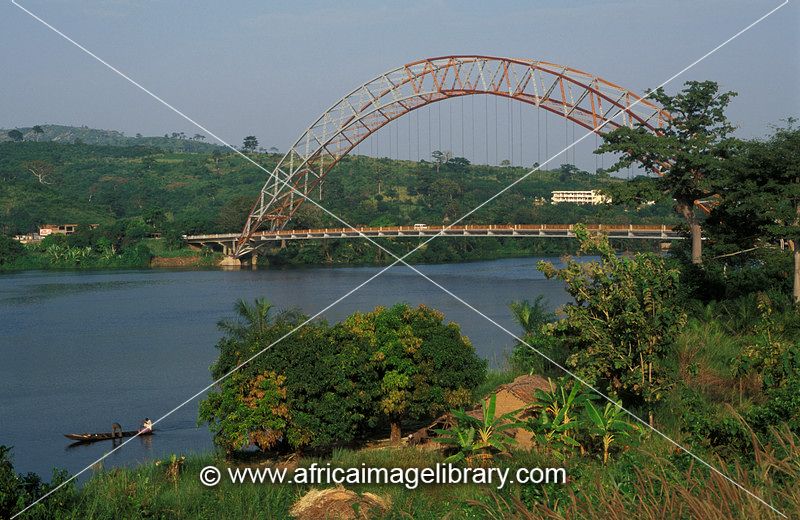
(107, 436)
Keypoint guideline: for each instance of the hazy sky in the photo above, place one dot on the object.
(270, 68)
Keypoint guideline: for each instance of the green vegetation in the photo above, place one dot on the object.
(480, 439)
(619, 329)
(702, 345)
(172, 142)
(324, 386)
(693, 152)
(177, 193)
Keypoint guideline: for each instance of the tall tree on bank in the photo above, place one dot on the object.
(692, 152)
(761, 202)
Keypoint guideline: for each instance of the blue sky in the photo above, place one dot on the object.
(269, 68)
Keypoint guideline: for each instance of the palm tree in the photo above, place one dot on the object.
(253, 320)
(243, 335)
(531, 316)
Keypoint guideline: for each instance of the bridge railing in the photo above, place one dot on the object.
(436, 229)
(469, 227)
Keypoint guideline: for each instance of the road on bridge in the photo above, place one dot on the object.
(227, 241)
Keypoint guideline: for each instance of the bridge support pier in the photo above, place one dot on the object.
(230, 261)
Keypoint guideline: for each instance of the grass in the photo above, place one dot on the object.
(648, 484)
(494, 378)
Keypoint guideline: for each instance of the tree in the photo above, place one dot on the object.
(424, 367)
(15, 135)
(568, 172)
(233, 215)
(760, 203)
(692, 151)
(458, 164)
(304, 390)
(250, 143)
(10, 251)
(442, 192)
(155, 218)
(532, 317)
(438, 159)
(38, 130)
(216, 156)
(40, 169)
(258, 406)
(623, 321)
(380, 173)
(148, 162)
(18, 491)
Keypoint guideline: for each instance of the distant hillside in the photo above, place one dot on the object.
(43, 182)
(73, 134)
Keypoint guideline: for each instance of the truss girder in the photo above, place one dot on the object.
(578, 96)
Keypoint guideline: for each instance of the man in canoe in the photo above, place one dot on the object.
(147, 426)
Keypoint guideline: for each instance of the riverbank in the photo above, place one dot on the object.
(624, 487)
(156, 254)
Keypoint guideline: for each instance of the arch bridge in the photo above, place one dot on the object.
(581, 97)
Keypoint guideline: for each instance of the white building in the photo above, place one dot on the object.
(579, 197)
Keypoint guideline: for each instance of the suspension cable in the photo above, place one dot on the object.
(486, 125)
(521, 135)
(511, 132)
(538, 135)
(496, 162)
(439, 125)
(430, 134)
(450, 132)
(462, 126)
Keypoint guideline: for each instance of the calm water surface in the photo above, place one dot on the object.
(80, 350)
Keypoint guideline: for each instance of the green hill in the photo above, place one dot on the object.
(212, 192)
(135, 191)
(176, 142)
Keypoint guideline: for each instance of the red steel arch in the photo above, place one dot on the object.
(578, 96)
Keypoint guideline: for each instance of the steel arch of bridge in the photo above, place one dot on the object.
(581, 97)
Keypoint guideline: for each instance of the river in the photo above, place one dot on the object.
(80, 350)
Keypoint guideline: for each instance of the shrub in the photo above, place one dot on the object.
(619, 330)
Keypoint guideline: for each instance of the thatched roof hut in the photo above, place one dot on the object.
(513, 396)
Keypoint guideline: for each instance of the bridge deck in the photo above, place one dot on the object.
(496, 230)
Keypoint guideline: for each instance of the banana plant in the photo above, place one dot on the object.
(608, 425)
(557, 424)
(463, 439)
(480, 438)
